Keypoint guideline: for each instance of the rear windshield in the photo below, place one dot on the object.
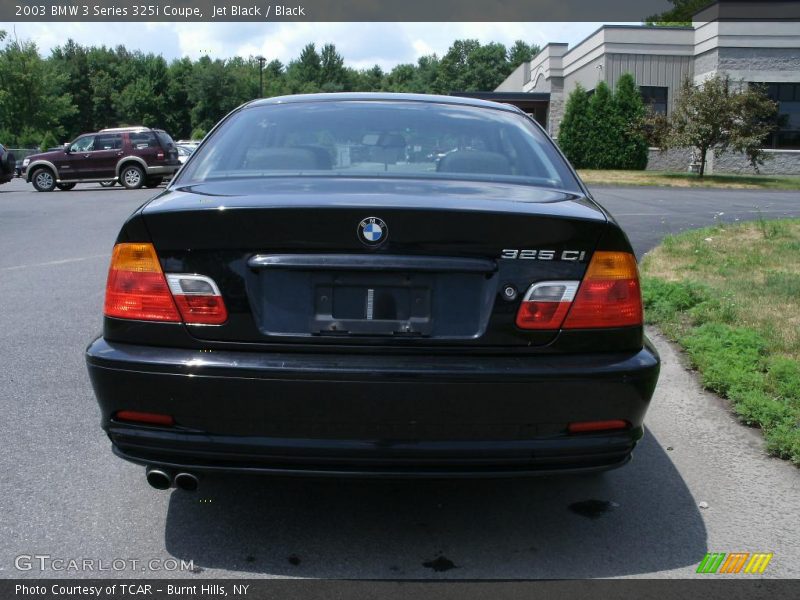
(379, 139)
(165, 139)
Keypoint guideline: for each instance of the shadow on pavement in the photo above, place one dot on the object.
(638, 519)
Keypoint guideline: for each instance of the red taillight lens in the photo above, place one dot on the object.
(609, 295)
(589, 426)
(198, 299)
(144, 417)
(136, 288)
(545, 304)
(209, 310)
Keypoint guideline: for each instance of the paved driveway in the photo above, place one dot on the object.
(65, 495)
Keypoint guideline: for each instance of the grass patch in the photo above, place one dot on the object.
(730, 296)
(658, 178)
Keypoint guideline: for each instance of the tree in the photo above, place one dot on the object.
(427, 71)
(332, 77)
(453, 67)
(521, 52)
(48, 141)
(631, 141)
(71, 59)
(274, 79)
(718, 116)
(33, 101)
(487, 67)
(103, 81)
(303, 74)
(177, 112)
(575, 131)
(606, 125)
(208, 94)
(402, 78)
(374, 79)
(468, 66)
(141, 98)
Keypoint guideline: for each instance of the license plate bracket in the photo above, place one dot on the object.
(373, 304)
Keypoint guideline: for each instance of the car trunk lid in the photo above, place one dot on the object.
(294, 267)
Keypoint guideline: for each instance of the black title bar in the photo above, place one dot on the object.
(376, 10)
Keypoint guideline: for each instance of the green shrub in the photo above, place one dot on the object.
(574, 134)
(664, 299)
(632, 145)
(729, 358)
(48, 141)
(606, 127)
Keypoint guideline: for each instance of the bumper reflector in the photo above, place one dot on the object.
(144, 417)
(590, 426)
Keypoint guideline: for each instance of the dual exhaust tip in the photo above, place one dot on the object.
(162, 480)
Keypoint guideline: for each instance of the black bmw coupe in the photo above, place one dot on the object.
(381, 285)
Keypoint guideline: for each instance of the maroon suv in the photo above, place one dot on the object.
(133, 156)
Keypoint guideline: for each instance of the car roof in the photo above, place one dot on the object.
(386, 97)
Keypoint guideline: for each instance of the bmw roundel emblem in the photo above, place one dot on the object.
(372, 231)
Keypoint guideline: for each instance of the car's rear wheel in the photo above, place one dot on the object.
(109, 183)
(43, 180)
(65, 187)
(132, 177)
(153, 181)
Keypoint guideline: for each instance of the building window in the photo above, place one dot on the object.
(654, 98)
(787, 95)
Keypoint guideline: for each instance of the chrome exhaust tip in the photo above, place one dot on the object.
(158, 479)
(187, 482)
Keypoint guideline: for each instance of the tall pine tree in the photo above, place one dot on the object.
(632, 145)
(574, 134)
(603, 152)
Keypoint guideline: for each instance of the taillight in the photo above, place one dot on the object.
(545, 304)
(137, 289)
(198, 299)
(609, 295)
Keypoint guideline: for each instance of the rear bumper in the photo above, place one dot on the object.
(361, 415)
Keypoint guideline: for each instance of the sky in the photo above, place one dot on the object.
(362, 44)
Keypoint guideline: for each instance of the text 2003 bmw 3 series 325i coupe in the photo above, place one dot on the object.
(381, 285)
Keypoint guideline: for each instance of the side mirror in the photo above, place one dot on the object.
(66, 148)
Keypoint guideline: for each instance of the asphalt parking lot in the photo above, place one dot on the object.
(65, 494)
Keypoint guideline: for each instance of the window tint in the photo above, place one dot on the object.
(165, 139)
(380, 139)
(143, 139)
(108, 142)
